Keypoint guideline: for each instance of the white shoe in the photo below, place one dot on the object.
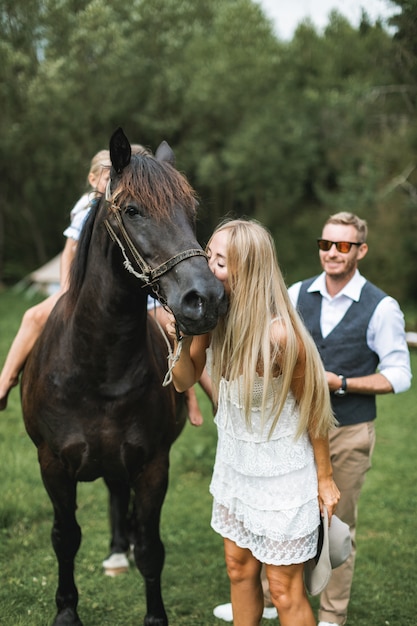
(327, 624)
(225, 612)
(270, 613)
(116, 564)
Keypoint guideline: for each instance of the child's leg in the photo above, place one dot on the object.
(31, 326)
(194, 414)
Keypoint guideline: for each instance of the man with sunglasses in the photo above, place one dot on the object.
(360, 334)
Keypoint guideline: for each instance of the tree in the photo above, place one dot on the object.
(20, 33)
(287, 132)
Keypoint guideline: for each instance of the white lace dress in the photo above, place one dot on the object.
(264, 489)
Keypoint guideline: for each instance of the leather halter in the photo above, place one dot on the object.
(147, 274)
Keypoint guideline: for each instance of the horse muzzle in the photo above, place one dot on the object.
(197, 311)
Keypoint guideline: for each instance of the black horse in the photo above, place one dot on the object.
(92, 394)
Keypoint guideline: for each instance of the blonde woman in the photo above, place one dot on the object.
(272, 473)
(34, 318)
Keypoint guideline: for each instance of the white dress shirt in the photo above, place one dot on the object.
(386, 331)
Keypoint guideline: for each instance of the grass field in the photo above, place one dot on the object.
(194, 577)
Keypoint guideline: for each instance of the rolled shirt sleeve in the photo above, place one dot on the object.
(386, 337)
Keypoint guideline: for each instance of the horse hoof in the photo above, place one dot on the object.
(116, 564)
(155, 621)
(67, 617)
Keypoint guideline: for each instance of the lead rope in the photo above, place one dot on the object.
(172, 358)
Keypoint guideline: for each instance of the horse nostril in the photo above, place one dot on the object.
(194, 305)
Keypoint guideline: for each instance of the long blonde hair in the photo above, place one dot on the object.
(241, 342)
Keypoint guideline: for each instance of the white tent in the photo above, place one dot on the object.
(46, 278)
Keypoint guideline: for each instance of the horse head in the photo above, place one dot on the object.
(152, 211)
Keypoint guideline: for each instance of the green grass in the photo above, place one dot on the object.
(194, 577)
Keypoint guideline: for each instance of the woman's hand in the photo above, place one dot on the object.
(171, 326)
(173, 333)
(191, 359)
(329, 496)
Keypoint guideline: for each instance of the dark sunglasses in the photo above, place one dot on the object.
(341, 246)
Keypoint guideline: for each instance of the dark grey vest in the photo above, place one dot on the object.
(345, 351)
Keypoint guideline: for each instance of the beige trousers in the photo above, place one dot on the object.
(351, 449)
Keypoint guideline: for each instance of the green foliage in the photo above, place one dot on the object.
(194, 577)
(284, 132)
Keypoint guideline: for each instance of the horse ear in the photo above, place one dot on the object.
(120, 150)
(164, 152)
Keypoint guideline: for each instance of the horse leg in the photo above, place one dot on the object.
(119, 497)
(65, 535)
(150, 488)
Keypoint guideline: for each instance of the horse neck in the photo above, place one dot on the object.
(108, 299)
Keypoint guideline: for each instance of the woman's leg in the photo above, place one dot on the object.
(31, 326)
(286, 585)
(245, 585)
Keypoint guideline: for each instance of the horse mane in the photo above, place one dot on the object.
(155, 185)
(79, 264)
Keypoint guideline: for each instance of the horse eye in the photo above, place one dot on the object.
(131, 210)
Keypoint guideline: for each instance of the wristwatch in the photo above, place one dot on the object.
(342, 391)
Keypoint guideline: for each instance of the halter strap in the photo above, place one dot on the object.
(147, 274)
